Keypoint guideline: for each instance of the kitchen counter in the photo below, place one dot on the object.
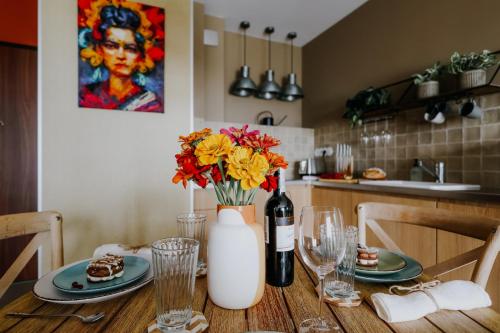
(483, 195)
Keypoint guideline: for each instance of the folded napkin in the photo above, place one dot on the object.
(452, 295)
(143, 251)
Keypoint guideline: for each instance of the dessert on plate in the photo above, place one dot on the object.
(367, 256)
(105, 268)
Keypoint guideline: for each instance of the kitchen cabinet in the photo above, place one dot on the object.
(337, 198)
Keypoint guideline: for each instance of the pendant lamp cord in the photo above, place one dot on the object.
(269, 53)
(244, 46)
(291, 52)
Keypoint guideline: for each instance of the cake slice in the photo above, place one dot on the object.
(105, 268)
(367, 256)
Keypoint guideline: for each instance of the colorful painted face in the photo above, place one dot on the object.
(120, 52)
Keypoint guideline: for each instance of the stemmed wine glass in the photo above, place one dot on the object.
(322, 247)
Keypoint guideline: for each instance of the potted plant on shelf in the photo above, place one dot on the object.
(426, 82)
(236, 162)
(471, 67)
(365, 99)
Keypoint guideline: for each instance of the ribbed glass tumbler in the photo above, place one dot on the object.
(192, 225)
(342, 283)
(174, 266)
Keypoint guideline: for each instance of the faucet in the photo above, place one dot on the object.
(439, 170)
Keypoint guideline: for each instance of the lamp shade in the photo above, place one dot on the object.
(291, 91)
(243, 86)
(268, 89)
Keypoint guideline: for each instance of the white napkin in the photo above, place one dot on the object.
(123, 250)
(459, 295)
(452, 295)
(394, 308)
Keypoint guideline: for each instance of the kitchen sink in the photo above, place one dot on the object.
(421, 185)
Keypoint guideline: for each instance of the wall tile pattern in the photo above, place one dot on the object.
(469, 147)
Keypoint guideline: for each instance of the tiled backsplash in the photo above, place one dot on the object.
(296, 143)
(469, 147)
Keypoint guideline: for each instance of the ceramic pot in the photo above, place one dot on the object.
(236, 258)
(473, 78)
(428, 89)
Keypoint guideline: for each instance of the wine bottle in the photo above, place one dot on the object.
(279, 234)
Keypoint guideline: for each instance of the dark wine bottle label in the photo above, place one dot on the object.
(285, 233)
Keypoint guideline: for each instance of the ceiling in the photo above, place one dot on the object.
(308, 18)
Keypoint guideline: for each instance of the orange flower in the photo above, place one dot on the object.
(194, 138)
(260, 143)
(275, 161)
(183, 176)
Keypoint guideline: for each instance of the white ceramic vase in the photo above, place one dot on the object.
(236, 258)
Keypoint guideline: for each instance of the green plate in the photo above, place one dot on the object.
(134, 268)
(412, 270)
(388, 263)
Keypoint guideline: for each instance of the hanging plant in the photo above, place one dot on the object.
(365, 99)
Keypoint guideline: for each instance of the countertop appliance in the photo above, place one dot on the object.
(312, 166)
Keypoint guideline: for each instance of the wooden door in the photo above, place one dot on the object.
(18, 145)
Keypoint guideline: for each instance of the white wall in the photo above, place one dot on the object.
(109, 172)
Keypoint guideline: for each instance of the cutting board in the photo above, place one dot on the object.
(340, 181)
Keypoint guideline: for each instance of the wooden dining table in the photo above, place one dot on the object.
(281, 309)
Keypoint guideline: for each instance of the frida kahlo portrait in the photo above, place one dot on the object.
(121, 55)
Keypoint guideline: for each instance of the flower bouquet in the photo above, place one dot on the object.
(237, 162)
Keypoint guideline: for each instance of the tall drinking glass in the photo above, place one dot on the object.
(192, 225)
(342, 283)
(322, 247)
(174, 266)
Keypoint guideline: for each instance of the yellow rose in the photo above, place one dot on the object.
(248, 167)
(214, 146)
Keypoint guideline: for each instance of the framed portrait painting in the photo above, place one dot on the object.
(121, 55)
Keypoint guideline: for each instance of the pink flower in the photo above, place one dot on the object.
(238, 135)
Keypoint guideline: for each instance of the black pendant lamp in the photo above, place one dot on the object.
(268, 89)
(291, 91)
(244, 86)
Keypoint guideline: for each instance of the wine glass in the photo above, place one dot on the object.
(322, 247)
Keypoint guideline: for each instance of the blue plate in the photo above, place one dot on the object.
(135, 268)
(412, 270)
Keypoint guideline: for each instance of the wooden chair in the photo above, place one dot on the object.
(45, 225)
(478, 227)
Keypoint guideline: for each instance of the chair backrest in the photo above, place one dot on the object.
(44, 225)
(475, 226)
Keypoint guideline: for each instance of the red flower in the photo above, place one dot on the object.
(155, 15)
(188, 169)
(84, 4)
(156, 53)
(238, 135)
(95, 31)
(216, 175)
(270, 184)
